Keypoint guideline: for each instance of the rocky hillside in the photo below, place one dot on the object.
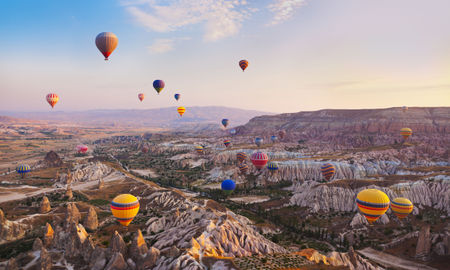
(367, 121)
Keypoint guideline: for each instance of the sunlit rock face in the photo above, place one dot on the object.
(92, 171)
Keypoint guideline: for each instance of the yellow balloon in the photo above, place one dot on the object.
(181, 110)
(125, 207)
(405, 132)
(372, 203)
(401, 207)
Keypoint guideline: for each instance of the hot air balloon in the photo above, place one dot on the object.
(258, 141)
(228, 186)
(52, 99)
(243, 168)
(141, 96)
(372, 203)
(227, 143)
(273, 138)
(106, 43)
(328, 171)
(144, 149)
(81, 148)
(125, 207)
(272, 166)
(405, 132)
(158, 85)
(23, 170)
(259, 160)
(404, 108)
(233, 131)
(243, 64)
(225, 122)
(199, 149)
(401, 207)
(177, 96)
(241, 156)
(181, 110)
(282, 133)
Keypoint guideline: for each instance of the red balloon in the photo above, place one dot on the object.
(259, 159)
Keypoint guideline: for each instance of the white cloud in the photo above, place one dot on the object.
(163, 45)
(221, 18)
(283, 10)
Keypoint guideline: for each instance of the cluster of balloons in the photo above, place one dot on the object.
(81, 149)
(373, 203)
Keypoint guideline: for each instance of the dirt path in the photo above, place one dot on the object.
(388, 260)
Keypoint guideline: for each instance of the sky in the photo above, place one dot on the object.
(303, 54)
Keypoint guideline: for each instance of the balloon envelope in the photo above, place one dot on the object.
(52, 99)
(372, 203)
(141, 96)
(227, 143)
(258, 141)
(181, 110)
(259, 159)
(233, 131)
(273, 138)
(199, 149)
(401, 207)
(23, 169)
(106, 43)
(81, 148)
(228, 186)
(243, 168)
(328, 171)
(241, 156)
(177, 96)
(158, 85)
(243, 64)
(405, 132)
(272, 166)
(125, 207)
(225, 122)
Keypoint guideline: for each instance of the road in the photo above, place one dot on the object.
(391, 261)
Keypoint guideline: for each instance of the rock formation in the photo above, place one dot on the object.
(72, 214)
(69, 193)
(138, 247)
(117, 262)
(37, 244)
(12, 264)
(101, 184)
(48, 235)
(91, 221)
(45, 260)
(45, 205)
(117, 244)
(423, 246)
(52, 159)
(11, 230)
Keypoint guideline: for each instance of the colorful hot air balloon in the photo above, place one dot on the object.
(228, 186)
(282, 133)
(401, 207)
(243, 64)
(23, 170)
(125, 207)
(372, 203)
(177, 96)
(52, 99)
(405, 132)
(225, 122)
(404, 108)
(258, 141)
(227, 143)
(181, 110)
(273, 138)
(243, 168)
(272, 166)
(233, 131)
(199, 149)
(158, 85)
(141, 96)
(81, 148)
(106, 43)
(259, 160)
(328, 171)
(241, 156)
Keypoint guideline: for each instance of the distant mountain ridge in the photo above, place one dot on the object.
(389, 120)
(194, 117)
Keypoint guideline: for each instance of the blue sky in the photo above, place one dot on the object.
(304, 55)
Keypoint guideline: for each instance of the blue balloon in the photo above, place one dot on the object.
(228, 185)
(258, 141)
(225, 122)
(233, 131)
(177, 96)
(273, 138)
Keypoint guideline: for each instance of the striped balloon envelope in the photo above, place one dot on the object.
(405, 132)
(401, 207)
(23, 170)
(125, 207)
(259, 160)
(181, 110)
(328, 171)
(272, 166)
(227, 143)
(106, 43)
(243, 64)
(52, 99)
(243, 168)
(372, 203)
(241, 156)
(199, 149)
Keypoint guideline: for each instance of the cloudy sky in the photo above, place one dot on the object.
(303, 54)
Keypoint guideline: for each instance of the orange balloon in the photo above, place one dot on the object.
(141, 96)
(52, 99)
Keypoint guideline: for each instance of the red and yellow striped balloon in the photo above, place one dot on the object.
(199, 149)
(52, 99)
(401, 207)
(106, 43)
(405, 132)
(372, 203)
(181, 110)
(125, 207)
